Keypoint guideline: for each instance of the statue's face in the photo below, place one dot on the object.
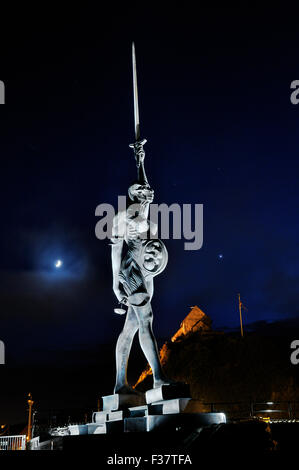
(141, 193)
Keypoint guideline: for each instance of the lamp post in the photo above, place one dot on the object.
(241, 305)
(240, 310)
(30, 403)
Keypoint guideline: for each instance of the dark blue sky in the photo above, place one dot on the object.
(214, 92)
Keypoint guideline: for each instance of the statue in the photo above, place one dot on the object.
(137, 257)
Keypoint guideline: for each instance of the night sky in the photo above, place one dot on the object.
(214, 96)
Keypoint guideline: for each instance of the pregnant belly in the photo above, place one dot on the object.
(154, 257)
(149, 255)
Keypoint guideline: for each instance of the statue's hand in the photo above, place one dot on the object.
(120, 294)
(140, 155)
(138, 151)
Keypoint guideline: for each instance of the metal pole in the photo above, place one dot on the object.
(290, 410)
(30, 403)
(240, 310)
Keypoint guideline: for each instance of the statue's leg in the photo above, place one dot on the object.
(123, 348)
(148, 343)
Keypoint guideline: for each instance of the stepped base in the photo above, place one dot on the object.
(168, 407)
(173, 414)
(144, 421)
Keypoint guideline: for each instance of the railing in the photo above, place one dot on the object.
(239, 410)
(13, 442)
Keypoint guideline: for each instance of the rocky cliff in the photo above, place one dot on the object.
(225, 367)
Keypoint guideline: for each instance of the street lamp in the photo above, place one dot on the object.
(29, 430)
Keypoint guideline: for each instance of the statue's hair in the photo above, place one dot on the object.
(130, 197)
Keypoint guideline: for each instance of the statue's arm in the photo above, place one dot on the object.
(139, 156)
(116, 254)
(153, 229)
(116, 262)
(141, 175)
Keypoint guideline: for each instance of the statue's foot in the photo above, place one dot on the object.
(126, 390)
(165, 381)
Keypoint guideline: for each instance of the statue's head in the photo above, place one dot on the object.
(140, 193)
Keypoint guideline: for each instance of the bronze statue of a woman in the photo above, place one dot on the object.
(137, 256)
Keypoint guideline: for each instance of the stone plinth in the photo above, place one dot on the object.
(167, 392)
(119, 401)
(173, 422)
(165, 410)
(105, 428)
(104, 416)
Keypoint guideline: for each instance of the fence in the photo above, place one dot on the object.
(13, 442)
(241, 410)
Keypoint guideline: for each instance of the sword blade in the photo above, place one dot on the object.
(135, 93)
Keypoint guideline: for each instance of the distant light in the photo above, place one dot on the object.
(58, 263)
(220, 256)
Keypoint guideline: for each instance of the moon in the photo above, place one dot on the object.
(58, 263)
